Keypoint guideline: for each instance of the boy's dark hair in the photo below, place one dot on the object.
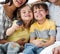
(43, 5)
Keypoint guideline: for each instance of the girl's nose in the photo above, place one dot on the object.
(27, 12)
(38, 11)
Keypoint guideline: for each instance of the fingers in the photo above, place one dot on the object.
(55, 51)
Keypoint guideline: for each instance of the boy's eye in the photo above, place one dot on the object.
(41, 10)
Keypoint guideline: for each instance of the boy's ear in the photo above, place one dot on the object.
(47, 12)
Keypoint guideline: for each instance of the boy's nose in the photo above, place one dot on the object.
(38, 11)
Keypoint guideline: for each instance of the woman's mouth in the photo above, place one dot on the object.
(19, 1)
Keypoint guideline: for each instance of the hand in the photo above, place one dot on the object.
(3, 41)
(56, 50)
(21, 41)
(15, 26)
(36, 42)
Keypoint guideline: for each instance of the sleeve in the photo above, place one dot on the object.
(1, 23)
(48, 4)
(32, 32)
(52, 31)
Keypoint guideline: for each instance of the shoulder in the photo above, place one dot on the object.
(51, 22)
(48, 4)
(34, 24)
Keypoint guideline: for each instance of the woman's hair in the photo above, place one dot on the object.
(43, 5)
(10, 2)
(19, 14)
(46, 0)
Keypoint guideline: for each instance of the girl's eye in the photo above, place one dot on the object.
(29, 11)
(24, 12)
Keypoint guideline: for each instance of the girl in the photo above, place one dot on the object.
(42, 32)
(19, 33)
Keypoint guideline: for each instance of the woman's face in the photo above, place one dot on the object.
(26, 13)
(39, 13)
(18, 3)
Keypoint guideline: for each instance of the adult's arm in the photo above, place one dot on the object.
(3, 41)
(56, 50)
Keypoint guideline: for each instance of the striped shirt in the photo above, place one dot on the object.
(5, 23)
(43, 31)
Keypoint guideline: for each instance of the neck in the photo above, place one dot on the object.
(57, 3)
(41, 21)
(26, 23)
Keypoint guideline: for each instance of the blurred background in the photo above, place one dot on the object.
(2, 0)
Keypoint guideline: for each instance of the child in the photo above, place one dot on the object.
(54, 12)
(18, 34)
(42, 32)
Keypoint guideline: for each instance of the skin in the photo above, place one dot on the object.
(26, 15)
(9, 11)
(40, 15)
(56, 50)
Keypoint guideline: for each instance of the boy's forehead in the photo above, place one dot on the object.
(38, 7)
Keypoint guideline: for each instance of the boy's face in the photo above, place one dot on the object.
(39, 13)
(26, 13)
(53, 1)
(18, 3)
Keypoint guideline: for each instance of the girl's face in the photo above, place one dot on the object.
(53, 1)
(26, 13)
(39, 13)
(18, 3)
